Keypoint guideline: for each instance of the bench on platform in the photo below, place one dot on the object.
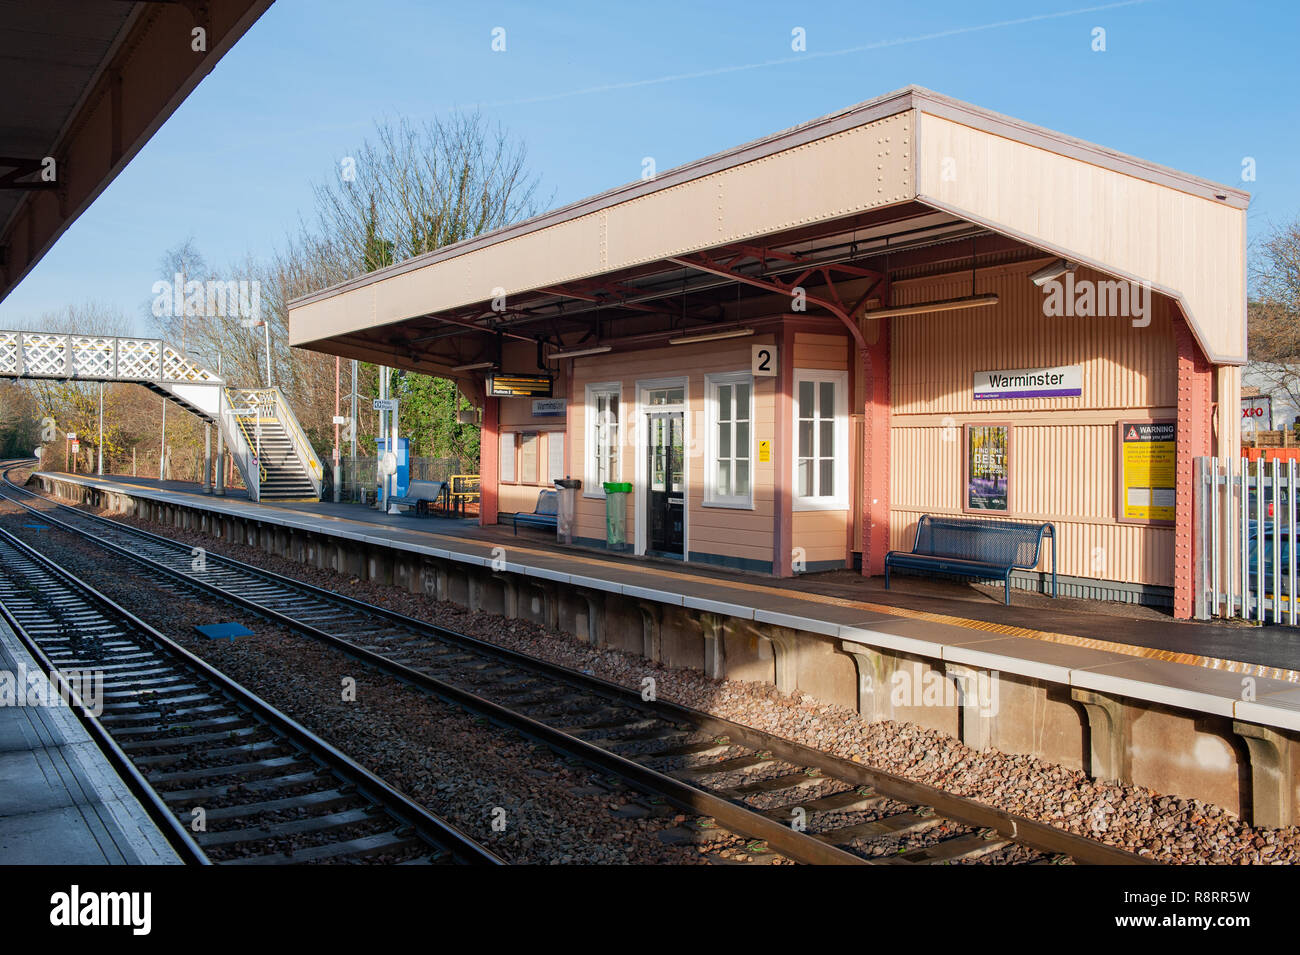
(970, 547)
(545, 514)
(419, 495)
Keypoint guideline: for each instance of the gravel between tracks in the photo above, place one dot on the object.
(1165, 828)
(449, 761)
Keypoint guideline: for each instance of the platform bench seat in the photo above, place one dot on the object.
(419, 495)
(973, 547)
(545, 514)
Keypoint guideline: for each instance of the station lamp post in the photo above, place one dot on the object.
(265, 325)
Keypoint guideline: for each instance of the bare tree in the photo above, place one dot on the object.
(413, 189)
(408, 190)
(1274, 314)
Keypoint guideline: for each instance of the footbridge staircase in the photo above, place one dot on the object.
(259, 428)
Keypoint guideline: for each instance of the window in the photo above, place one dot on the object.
(529, 445)
(666, 396)
(729, 475)
(602, 416)
(507, 457)
(821, 440)
(555, 456)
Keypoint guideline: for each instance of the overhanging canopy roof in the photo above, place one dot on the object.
(88, 82)
(908, 178)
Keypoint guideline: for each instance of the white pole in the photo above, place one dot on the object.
(100, 469)
(162, 445)
(220, 489)
(266, 326)
(392, 444)
(383, 433)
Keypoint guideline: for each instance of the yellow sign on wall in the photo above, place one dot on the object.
(764, 451)
(1149, 460)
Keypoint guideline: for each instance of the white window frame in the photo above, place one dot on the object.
(711, 496)
(555, 448)
(591, 486)
(508, 439)
(840, 500)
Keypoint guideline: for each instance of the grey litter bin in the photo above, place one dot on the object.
(616, 493)
(567, 494)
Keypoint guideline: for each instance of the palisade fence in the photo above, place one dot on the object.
(1245, 537)
(362, 474)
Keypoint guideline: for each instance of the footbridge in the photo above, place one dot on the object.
(257, 425)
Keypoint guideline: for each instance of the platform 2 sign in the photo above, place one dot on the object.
(519, 386)
(1148, 477)
(988, 474)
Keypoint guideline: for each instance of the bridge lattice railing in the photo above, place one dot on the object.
(97, 357)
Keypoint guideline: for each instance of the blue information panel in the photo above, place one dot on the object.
(403, 466)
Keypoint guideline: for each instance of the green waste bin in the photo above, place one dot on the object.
(616, 493)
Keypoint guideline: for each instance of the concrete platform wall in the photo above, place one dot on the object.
(1246, 768)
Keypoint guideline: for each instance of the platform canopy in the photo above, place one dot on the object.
(87, 83)
(909, 181)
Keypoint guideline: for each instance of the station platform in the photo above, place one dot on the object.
(61, 801)
(1121, 648)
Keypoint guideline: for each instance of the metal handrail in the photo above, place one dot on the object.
(270, 403)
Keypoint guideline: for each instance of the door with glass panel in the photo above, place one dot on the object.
(665, 484)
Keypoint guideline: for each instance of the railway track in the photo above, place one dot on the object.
(195, 747)
(791, 800)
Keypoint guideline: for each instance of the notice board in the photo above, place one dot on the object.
(1148, 471)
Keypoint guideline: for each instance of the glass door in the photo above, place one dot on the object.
(665, 485)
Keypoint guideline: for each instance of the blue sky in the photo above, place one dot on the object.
(592, 88)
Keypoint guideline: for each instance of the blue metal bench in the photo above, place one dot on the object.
(545, 514)
(970, 547)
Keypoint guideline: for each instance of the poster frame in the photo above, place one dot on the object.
(1120, 425)
(965, 467)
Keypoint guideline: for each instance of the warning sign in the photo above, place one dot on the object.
(1148, 460)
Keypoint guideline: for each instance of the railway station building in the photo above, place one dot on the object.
(794, 349)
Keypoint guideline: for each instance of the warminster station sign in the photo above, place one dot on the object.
(1063, 382)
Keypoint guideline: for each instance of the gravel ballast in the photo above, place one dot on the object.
(1162, 827)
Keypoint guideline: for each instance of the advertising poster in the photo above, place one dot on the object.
(987, 467)
(1147, 460)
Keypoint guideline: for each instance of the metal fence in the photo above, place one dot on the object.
(1245, 532)
(361, 474)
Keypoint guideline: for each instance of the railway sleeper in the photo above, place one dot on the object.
(378, 844)
(272, 784)
(294, 827)
(324, 799)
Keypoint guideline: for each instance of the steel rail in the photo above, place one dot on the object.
(432, 829)
(1030, 833)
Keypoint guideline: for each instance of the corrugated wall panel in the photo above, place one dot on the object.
(936, 356)
(1063, 458)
